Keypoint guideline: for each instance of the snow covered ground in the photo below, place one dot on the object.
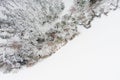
(93, 55)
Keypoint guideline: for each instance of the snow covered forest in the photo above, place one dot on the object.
(31, 30)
